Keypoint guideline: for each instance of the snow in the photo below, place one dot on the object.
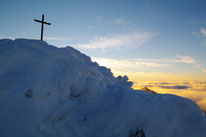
(47, 91)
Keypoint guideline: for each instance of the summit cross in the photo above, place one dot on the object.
(42, 25)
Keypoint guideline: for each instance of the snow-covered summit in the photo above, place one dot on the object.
(47, 91)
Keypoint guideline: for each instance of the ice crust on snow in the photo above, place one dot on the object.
(47, 91)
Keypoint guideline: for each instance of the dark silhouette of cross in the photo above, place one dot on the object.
(42, 25)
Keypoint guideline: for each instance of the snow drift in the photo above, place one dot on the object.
(47, 91)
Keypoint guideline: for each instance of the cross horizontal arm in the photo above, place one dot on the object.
(38, 21)
(42, 22)
(47, 23)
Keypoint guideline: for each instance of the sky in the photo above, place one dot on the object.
(160, 42)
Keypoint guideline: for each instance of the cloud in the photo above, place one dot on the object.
(57, 38)
(185, 59)
(203, 31)
(120, 21)
(63, 38)
(163, 84)
(132, 64)
(129, 64)
(201, 34)
(176, 59)
(175, 87)
(196, 34)
(117, 41)
(196, 85)
(201, 68)
(133, 67)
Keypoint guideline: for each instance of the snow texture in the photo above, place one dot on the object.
(47, 91)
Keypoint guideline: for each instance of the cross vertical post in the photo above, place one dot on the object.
(42, 25)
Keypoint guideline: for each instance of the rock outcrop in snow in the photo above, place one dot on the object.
(148, 90)
(58, 92)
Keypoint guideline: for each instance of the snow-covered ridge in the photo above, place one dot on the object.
(47, 91)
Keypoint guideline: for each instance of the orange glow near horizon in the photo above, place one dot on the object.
(191, 90)
(164, 83)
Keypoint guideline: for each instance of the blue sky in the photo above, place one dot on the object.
(150, 36)
(153, 42)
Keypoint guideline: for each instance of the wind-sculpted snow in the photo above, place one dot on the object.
(58, 92)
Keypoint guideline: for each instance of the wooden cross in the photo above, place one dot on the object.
(42, 25)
